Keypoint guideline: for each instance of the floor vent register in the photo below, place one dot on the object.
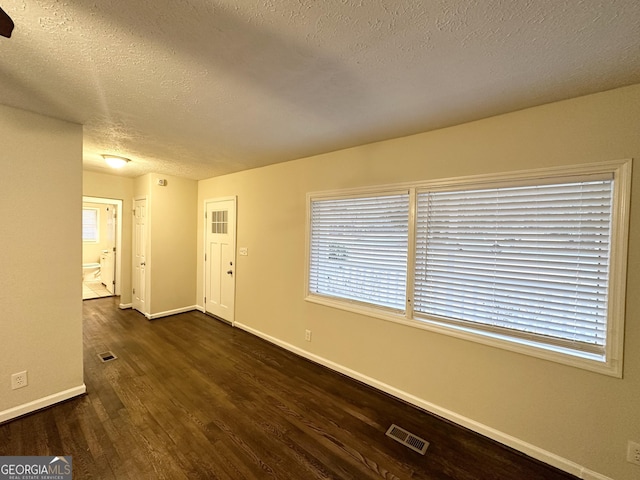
(407, 439)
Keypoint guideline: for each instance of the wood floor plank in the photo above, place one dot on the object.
(191, 397)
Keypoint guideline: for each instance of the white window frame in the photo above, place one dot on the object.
(610, 363)
(96, 239)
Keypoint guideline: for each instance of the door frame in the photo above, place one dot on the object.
(118, 266)
(234, 199)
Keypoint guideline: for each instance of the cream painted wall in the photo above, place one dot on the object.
(171, 257)
(583, 418)
(40, 260)
(119, 188)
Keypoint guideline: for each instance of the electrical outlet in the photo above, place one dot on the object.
(19, 380)
(633, 452)
(307, 335)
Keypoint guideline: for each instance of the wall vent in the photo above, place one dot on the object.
(407, 439)
(106, 356)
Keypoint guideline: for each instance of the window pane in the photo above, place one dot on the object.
(532, 261)
(359, 249)
(220, 222)
(90, 224)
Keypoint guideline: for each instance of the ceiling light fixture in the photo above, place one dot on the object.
(114, 161)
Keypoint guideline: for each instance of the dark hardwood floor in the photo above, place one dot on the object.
(190, 397)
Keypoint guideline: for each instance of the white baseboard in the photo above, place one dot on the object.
(124, 306)
(591, 475)
(508, 440)
(41, 403)
(153, 316)
(200, 309)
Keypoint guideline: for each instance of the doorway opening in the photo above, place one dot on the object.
(101, 247)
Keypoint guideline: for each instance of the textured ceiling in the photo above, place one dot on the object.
(198, 88)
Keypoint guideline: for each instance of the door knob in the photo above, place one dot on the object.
(229, 272)
(142, 264)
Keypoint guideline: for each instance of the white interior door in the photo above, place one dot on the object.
(140, 255)
(108, 258)
(220, 258)
(107, 271)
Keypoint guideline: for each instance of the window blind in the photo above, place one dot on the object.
(358, 249)
(90, 224)
(528, 261)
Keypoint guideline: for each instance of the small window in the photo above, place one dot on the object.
(90, 225)
(220, 221)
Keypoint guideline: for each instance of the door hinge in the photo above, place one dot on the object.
(205, 257)
(114, 249)
(134, 291)
(205, 215)
(205, 299)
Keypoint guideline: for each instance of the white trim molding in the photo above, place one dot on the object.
(533, 451)
(41, 403)
(153, 316)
